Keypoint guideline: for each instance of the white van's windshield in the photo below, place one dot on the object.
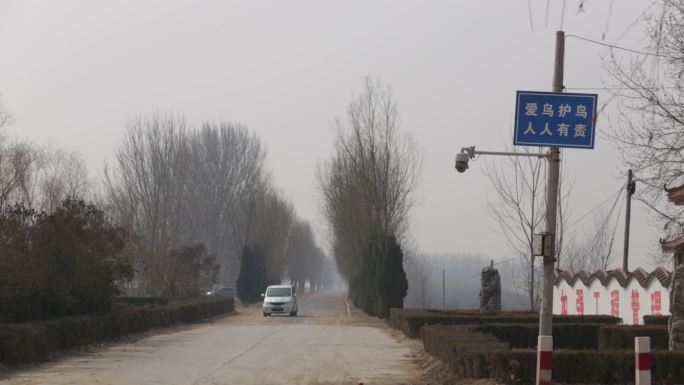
(278, 292)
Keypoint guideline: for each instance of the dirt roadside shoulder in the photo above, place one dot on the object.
(430, 370)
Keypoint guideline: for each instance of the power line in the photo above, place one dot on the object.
(478, 274)
(618, 88)
(636, 21)
(623, 48)
(546, 18)
(465, 279)
(603, 228)
(529, 11)
(562, 20)
(612, 239)
(612, 196)
(610, 13)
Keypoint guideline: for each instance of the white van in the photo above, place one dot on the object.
(280, 299)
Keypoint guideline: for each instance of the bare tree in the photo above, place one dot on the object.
(306, 260)
(16, 161)
(5, 117)
(144, 188)
(649, 130)
(301, 252)
(56, 175)
(367, 186)
(176, 187)
(228, 179)
(519, 208)
(271, 229)
(147, 189)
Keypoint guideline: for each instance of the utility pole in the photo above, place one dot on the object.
(544, 243)
(546, 312)
(443, 287)
(631, 187)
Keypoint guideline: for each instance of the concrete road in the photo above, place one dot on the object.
(325, 344)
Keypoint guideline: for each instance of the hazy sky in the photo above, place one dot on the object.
(73, 72)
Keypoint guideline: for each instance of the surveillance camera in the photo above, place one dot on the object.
(462, 162)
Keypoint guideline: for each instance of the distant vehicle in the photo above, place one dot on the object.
(280, 299)
(227, 292)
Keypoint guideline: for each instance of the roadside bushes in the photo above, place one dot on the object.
(622, 336)
(588, 349)
(578, 335)
(524, 336)
(141, 301)
(35, 341)
(472, 354)
(477, 355)
(656, 319)
(190, 269)
(69, 261)
(409, 321)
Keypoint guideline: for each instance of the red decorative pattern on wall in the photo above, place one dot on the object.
(644, 278)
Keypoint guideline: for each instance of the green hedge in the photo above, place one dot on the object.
(577, 336)
(477, 355)
(34, 341)
(471, 354)
(656, 319)
(409, 321)
(622, 336)
(524, 336)
(140, 301)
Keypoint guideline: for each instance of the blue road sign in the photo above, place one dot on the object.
(552, 119)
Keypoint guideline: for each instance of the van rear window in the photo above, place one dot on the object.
(278, 292)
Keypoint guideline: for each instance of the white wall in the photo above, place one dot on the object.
(645, 299)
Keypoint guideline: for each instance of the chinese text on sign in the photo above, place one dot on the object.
(555, 119)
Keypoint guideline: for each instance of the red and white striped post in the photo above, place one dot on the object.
(642, 363)
(544, 359)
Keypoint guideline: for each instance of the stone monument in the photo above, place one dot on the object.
(490, 293)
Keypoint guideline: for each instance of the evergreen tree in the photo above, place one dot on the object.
(381, 283)
(392, 282)
(253, 278)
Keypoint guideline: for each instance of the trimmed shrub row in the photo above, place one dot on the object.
(34, 341)
(524, 336)
(622, 336)
(140, 301)
(656, 319)
(409, 321)
(477, 355)
(614, 367)
(471, 354)
(578, 336)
